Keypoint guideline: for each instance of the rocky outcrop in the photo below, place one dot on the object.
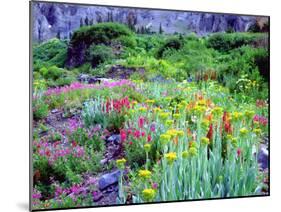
(60, 20)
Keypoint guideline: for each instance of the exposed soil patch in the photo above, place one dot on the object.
(121, 72)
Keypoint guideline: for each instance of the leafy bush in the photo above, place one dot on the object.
(40, 109)
(127, 41)
(52, 72)
(84, 37)
(66, 80)
(99, 33)
(135, 155)
(99, 54)
(53, 52)
(172, 43)
(227, 41)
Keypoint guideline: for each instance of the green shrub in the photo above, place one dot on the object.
(52, 72)
(53, 52)
(85, 68)
(84, 37)
(40, 109)
(135, 155)
(172, 43)
(99, 54)
(67, 80)
(41, 164)
(227, 41)
(127, 41)
(99, 33)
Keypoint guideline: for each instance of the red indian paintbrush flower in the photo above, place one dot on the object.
(226, 122)
(239, 151)
(123, 135)
(148, 138)
(210, 132)
(141, 122)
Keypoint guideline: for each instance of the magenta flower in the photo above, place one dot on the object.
(75, 189)
(59, 191)
(141, 122)
(137, 134)
(36, 194)
(154, 185)
(152, 127)
(123, 135)
(261, 119)
(239, 151)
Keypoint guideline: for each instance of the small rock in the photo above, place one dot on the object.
(86, 78)
(115, 138)
(103, 161)
(108, 179)
(263, 157)
(54, 111)
(111, 189)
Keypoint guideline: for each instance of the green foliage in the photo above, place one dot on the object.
(40, 109)
(127, 41)
(66, 80)
(227, 41)
(82, 138)
(99, 54)
(85, 68)
(135, 155)
(101, 33)
(172, 43)
(52, 52)
(52, 72)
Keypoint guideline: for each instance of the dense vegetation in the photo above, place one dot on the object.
(187, 111)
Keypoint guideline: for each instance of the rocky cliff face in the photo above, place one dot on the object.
(60, 20)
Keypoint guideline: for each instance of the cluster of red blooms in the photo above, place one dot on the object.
(117, 104)
(136, 134)
(54, 151)
(226, 126)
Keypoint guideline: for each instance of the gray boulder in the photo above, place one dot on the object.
(109, 179)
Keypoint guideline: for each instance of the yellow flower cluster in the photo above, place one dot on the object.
(157, 110)
(121, 163)
(150, 101)
(205, 141)
(199, 110)
(243, 131)
(185, 154)
(217, 112)
(257, 131)
(193, 151)
(134, 102)
(173, 133)
(169, 122)
(164, 115)
(236, 116)
(165, 138)
(147, 147)
(142, 109)
(249, 114)
(234, 141)
(205, 123)
(202, 102)
(176, 116)
(148, 194)
(171, 157)
(182, 105)
(144, 174)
